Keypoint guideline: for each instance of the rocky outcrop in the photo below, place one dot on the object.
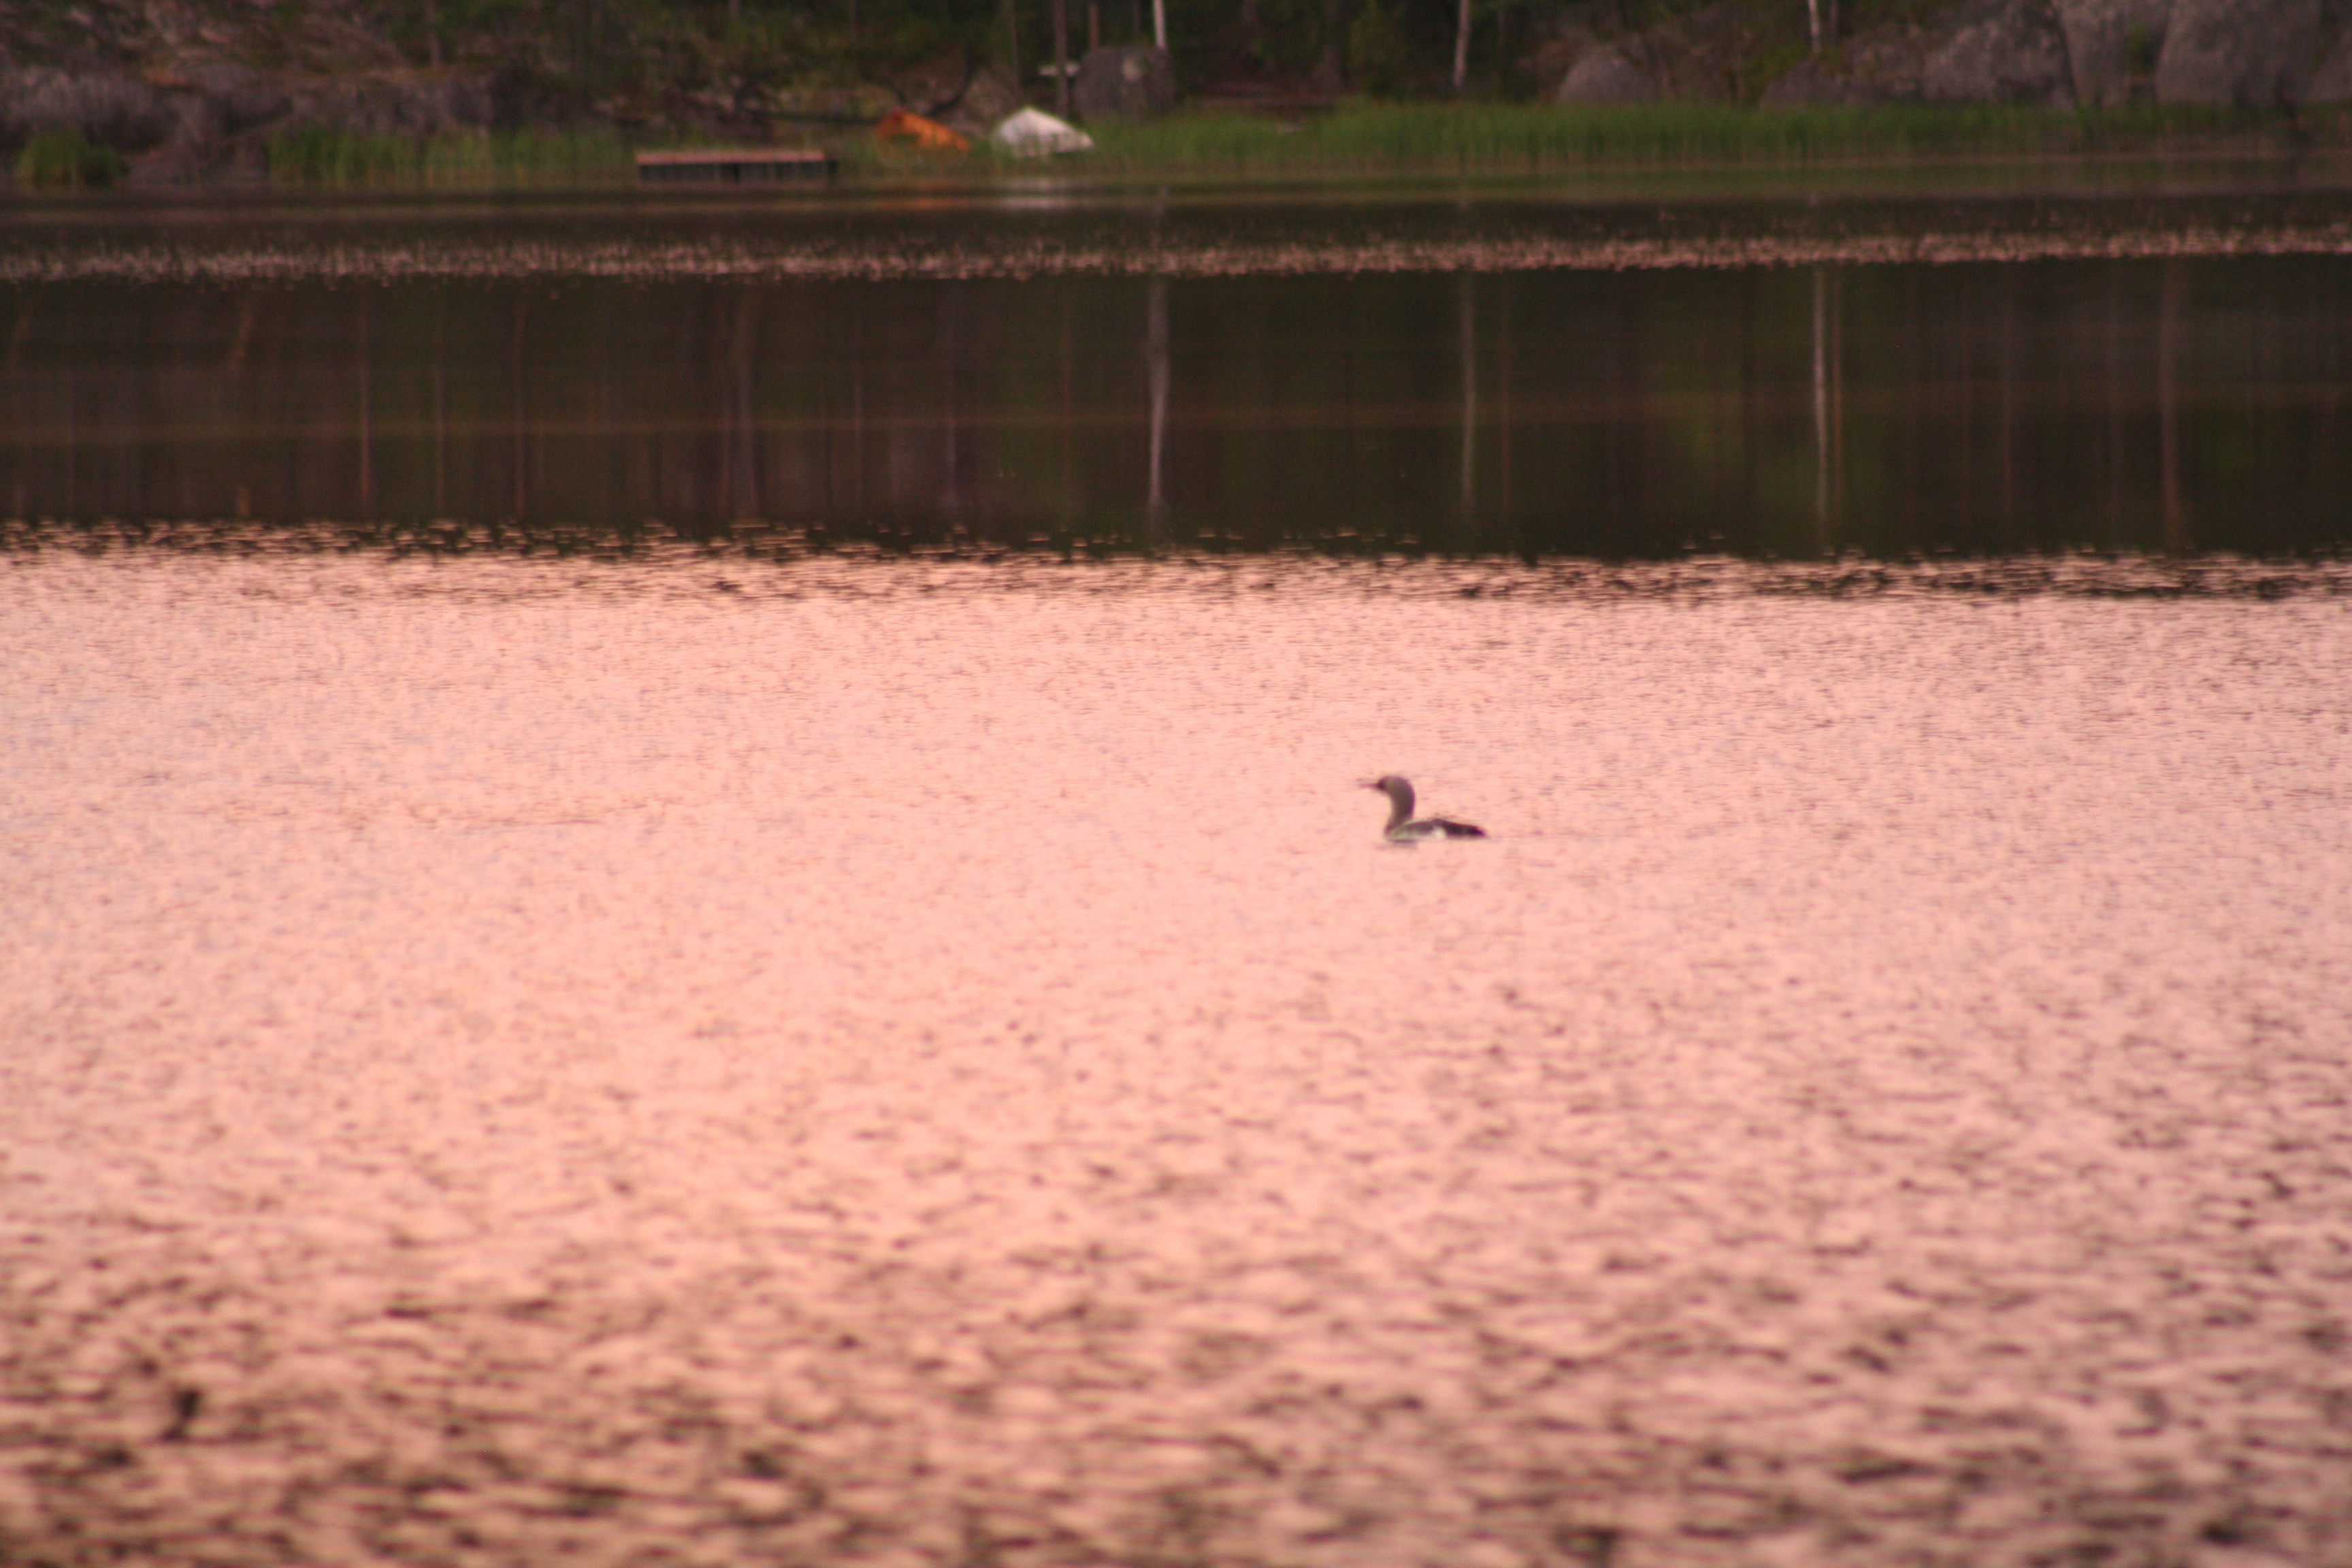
(1697, 56)
(2243, 54)
(2112, 47)
(2000, 51)
(2332, 83)
(1128, 81)
(120, 112)
(403, 103)
(1609, 75)
(214, 117)
(135, 113)
(1989, 51)
(1883, 65)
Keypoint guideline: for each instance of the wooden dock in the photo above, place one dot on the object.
(736, 165)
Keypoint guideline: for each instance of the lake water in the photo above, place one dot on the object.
(1611, 373)
(635, 1007)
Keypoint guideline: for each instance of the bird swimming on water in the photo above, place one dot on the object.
(1403, 827)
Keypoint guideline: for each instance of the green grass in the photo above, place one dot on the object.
(1407, 137)
(1362, 139)
(457, 160)
(68, 160)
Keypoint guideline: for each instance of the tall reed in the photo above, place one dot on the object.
(452, 159)
(68, 160)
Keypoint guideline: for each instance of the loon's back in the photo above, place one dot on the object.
(1404, 827)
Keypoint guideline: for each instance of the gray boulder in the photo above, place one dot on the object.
(120, 112)
(2332, 83)
(989, 98)
(1882, 66)
(2113, 47)
(2244, 54)
(1607, 75)
(211, 107)
(2000, 51)
(1127, 81)
(238, 99)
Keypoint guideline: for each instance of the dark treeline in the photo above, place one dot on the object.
(1389, 47)
(1891, 410)
(731, 59)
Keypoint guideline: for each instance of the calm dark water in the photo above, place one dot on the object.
(1612, 378)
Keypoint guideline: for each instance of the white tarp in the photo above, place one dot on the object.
(1031, 133)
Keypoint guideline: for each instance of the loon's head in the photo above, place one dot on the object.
(1398, 790)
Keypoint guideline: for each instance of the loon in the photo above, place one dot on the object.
(1403, 828)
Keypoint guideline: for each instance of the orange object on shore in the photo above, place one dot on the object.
(906, 125)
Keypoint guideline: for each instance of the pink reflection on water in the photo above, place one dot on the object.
(914, 1063)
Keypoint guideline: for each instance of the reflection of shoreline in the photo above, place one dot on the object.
(1633, 416)
(725, 263)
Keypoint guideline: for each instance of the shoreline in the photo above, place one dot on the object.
(1358, 143)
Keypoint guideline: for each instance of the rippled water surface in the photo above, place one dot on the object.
(705, 1059)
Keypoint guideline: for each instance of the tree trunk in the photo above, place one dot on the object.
(1462, 49)
(1331, 72)
(1062, 57)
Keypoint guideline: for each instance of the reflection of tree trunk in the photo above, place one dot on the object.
(2115, 402)
(440, 410)
(1503, 396)
(522, 456)
(1467, 289)
(742, 483)
(1821, 412)
(73, 435)
(367, 421)
(2009, 407)
(1837, 401)
(951, 454)
(858, 413)
(1155, 353)
(1462, 49)
(1067, 360)
(248, 311)
(2167, 405)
